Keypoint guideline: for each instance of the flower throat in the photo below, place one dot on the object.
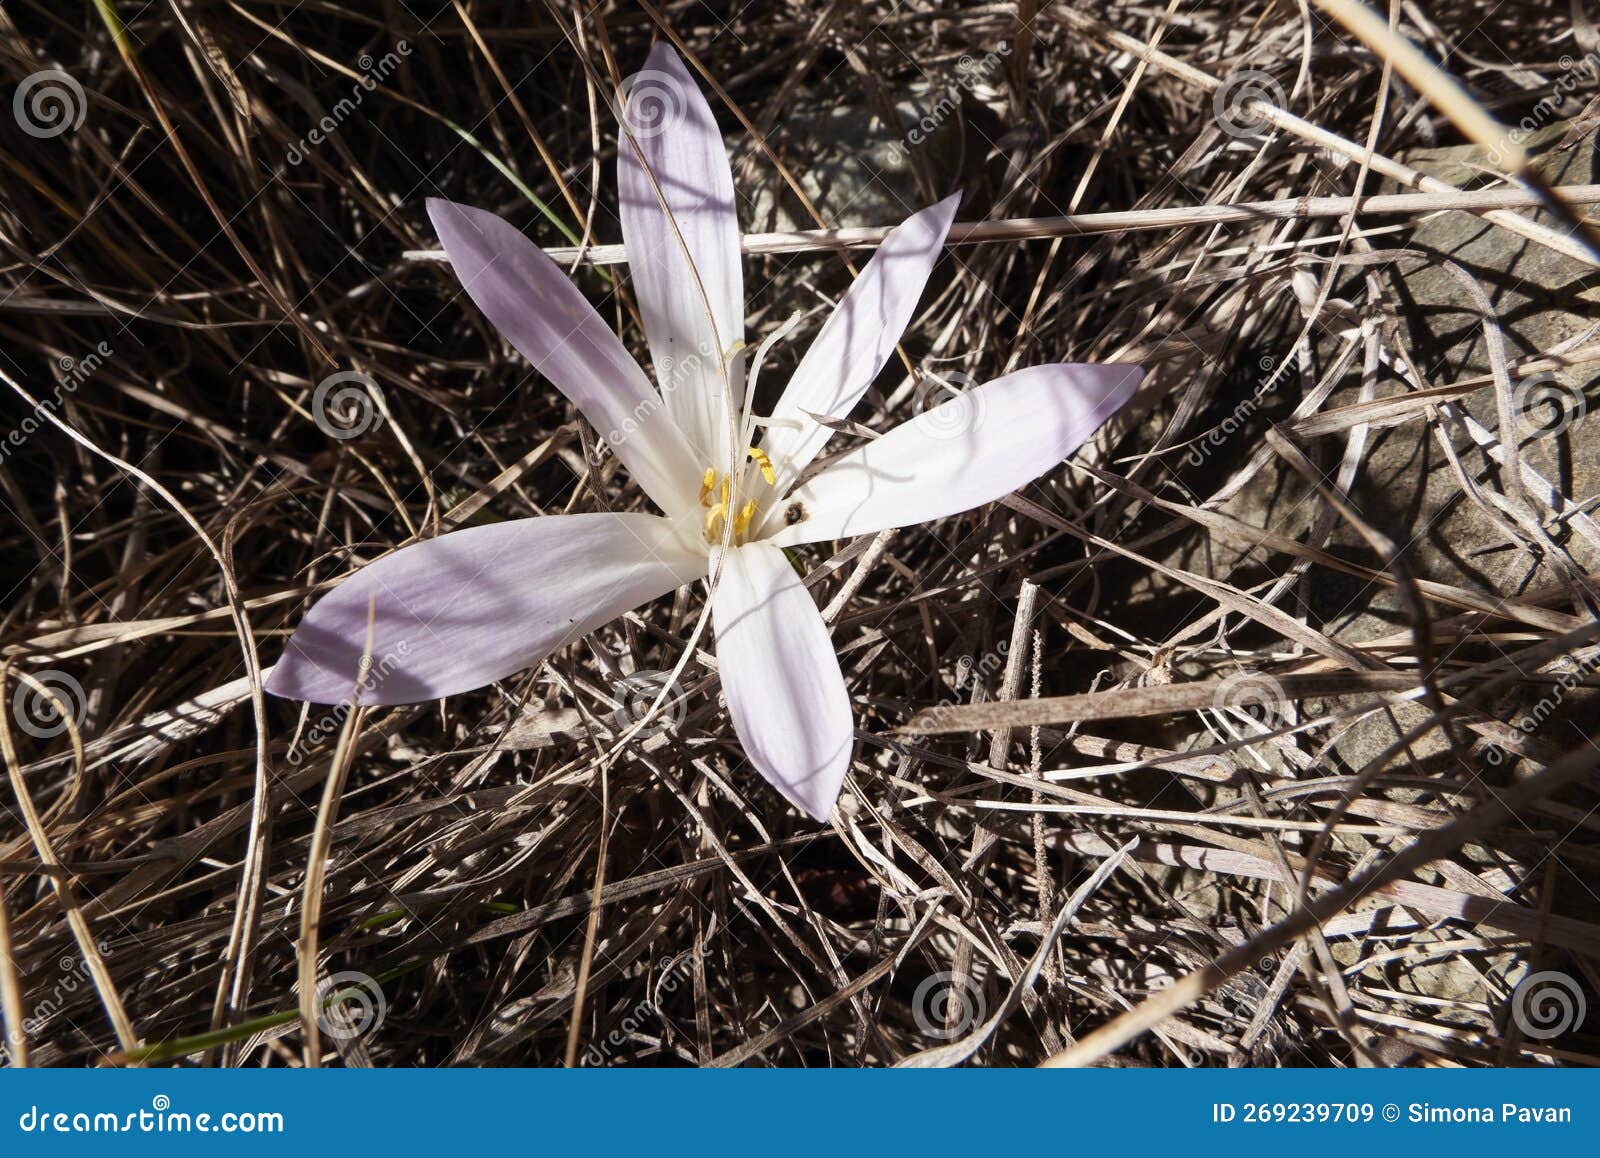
(717, 499)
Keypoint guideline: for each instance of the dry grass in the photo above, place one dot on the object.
(1085, 846)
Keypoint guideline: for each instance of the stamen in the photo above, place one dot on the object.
(759, 457)
(716, 495)
(742, 524)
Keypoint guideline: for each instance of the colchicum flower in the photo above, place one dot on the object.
(479, 604)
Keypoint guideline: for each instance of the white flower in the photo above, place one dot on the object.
(476, 605)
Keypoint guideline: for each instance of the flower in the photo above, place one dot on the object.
(475, 605)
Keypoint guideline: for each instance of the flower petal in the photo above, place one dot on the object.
(672, 124)
(977, 447)
(856, 340)
(463, 610)
(552, 325)
(781, 678)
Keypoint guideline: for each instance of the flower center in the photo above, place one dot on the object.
(720, 495)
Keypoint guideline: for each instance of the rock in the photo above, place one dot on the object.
(855, 166)
(1541, 299)
(1406, 486)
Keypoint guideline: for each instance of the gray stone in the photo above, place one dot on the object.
(1406, 488)
(854, 165)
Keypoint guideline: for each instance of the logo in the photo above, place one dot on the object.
(1548, 1004)
(1234, 102)
(347, 405)
(45, 704)
(49, 103)
(947, 405)
(349, 1004)
(946, 1008)
(650, 103)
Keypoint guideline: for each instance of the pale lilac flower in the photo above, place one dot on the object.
(476, 605)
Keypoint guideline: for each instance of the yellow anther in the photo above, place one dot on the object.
(759, 457)
(715, 513)
(706, 483)
(722, 491)
(742, 523)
